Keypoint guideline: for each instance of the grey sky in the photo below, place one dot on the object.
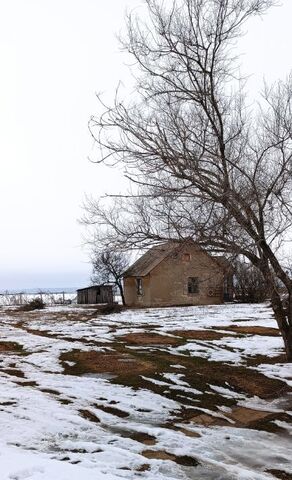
(55, 54)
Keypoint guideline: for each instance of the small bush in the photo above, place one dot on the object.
(35, 304)
(110, 308)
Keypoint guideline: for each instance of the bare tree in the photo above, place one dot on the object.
(250, 285)
(202, 162)
(108, 267)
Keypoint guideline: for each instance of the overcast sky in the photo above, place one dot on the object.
(55, 54)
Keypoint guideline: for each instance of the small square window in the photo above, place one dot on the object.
(193, 285)
(186, 257)
(139, 286)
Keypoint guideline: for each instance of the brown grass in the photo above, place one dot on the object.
(10, 347)
(241, 417)
(162, 455)
(50, 391)
(14, 372)
(253, 330)
(199, 334)
(240, 378)
(149, 339)
(29, 383)
(89, 416)
(113, 411)
(112, 362)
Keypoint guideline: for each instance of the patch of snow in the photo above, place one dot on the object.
(176, 378)
(178, 366)
(20, 465)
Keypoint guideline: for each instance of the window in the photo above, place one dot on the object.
(186, 257)
(139, 286)
(193, 285)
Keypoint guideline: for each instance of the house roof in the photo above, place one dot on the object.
(147, 262)
(150, 260)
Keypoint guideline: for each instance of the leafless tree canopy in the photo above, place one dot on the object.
(108, 267)
(250, 285)
(202, 162)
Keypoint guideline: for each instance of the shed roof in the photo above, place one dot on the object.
(93, 287)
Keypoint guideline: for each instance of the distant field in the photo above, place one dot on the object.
(157, 394)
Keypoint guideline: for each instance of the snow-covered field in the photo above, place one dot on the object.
(174, 393)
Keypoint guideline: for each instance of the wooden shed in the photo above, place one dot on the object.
(95, 294)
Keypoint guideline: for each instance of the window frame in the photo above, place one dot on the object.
(193, 286)
(139, 286)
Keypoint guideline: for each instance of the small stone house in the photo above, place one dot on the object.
(177, 273)
(95, 294)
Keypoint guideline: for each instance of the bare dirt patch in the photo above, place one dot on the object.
(88, 415)
(199, 334)
(281, 474)
(7, 404)
(141, 437)
(244, 380)
(253, 330)
(65, 401)
(162, 455)
(259, 359)
(10, 347)
(113, 411)
(109, 309)
(144, 438)
(200, 372)
(189, 433)
(241, 417)
(245, 416)
(149, 339)
(50, 391)
(111, 362)
(14, 372)
(28, 383)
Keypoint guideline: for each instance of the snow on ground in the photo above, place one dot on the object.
(234, 350)
(58, 422)
(279, 371)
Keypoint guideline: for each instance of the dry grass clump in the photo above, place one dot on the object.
(35, 304)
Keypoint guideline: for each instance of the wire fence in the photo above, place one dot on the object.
(49, 298)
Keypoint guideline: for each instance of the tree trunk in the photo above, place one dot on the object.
(120, 286)
(283, 318)
(288, 343)
(286, 332)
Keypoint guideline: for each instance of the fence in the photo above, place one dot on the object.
(50, 298)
